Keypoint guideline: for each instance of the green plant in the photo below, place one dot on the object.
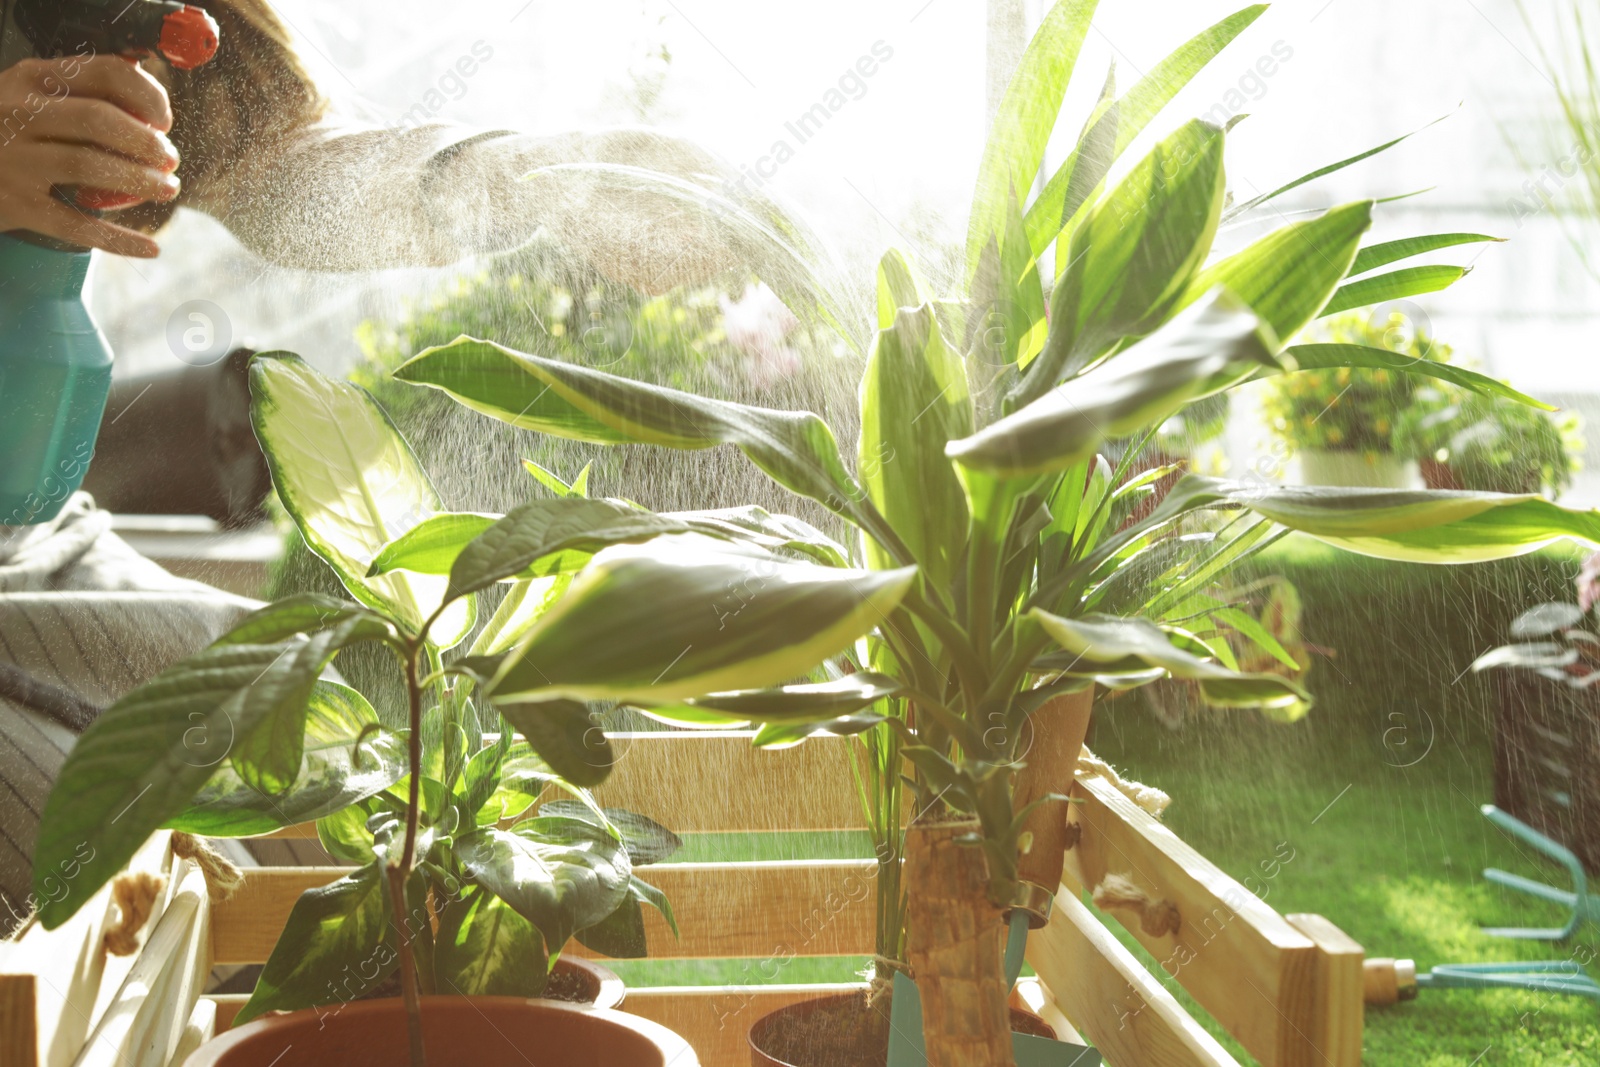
(443, 823)
(1350, 409)
(1007, 569)
(1490, 444)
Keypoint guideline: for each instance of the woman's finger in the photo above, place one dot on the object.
(55, 219)
(97, 123)
(109, 78)
(60, 164)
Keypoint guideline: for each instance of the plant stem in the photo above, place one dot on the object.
(398, 873)
(954, 942)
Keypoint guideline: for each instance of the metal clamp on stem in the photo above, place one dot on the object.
(1035, 900)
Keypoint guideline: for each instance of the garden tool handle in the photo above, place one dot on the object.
(1387, 981)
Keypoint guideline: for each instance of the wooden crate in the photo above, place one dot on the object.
(1288, 988)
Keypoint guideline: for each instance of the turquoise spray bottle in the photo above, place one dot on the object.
(55, 364)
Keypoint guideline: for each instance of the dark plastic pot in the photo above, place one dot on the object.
(458, 1032)
(761, 1033)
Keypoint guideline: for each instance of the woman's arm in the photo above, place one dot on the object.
(301, 190)
(342, 198)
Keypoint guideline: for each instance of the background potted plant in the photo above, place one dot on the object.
(1467, 441)
(1344, 423)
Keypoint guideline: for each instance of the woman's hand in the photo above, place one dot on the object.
(98, 123)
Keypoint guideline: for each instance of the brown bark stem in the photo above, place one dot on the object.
(1048, 765)
(954, 941)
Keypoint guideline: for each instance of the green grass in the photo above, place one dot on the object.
(1376, 793)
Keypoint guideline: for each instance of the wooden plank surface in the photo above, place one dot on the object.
(713, 780)
(151, 1010)
(202, 1027)
(1111, 999)
(19, 1033)
(76, 979)
(1254, 972)
(1340, 996)
(776, 909)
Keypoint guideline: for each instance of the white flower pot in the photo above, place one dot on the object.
(1357, 469)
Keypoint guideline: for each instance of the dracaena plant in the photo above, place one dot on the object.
(1003, 562)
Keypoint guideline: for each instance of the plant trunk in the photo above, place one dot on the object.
(954, 942)
(1048, 766)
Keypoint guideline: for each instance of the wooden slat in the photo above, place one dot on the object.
(19, 1034)
(716, 1020)
(714, 780)
(1255, 973)
(76, 979)
(1030, 993)
(1340, 995)
(202, 1027)
(1111, 999)
(150, 1012)
(751, 910)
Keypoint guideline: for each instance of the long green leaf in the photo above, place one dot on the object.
(1396, 285)
(1022, 125)
(1288, 275)
(1109, 641)
(1207, 349)
(1411, 525)
(302, 614)
(898, 287)
(683, 617)
(1135, 255)
(914, 401)
(795, 448)
(1329, 356)
(1381, 255)
(1124, 120)
(812, 701)
(350, 482)
(141, 762)
(1321, 172)
(348, 757)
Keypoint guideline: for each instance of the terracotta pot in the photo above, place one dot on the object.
(762, 1053)
(597, 986)
(458, 1032)
(1436, 475)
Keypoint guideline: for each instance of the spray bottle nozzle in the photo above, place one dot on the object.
(185, 35)
(188, 38)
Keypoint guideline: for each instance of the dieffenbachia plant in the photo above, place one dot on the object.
(1004, 560)
(469, 877)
